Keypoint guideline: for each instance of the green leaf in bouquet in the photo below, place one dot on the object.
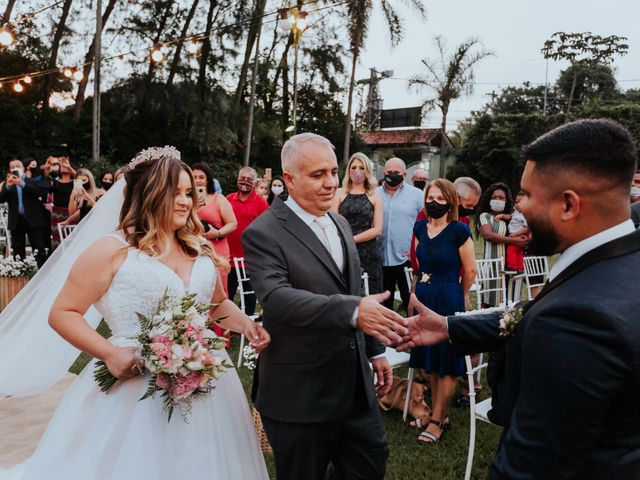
(151, 389)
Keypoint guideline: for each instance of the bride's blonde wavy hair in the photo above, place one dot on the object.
(148, 209)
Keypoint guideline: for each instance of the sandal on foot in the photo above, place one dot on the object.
(430, 438)
(420, 422)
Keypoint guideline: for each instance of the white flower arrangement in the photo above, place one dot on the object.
(16, 267)
(250, 357)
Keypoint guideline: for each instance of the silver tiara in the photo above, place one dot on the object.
(153, 153)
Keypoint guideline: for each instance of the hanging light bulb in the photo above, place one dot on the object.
(6, 36)
(18, 87)
(193, 47)
(27, 79)
(283, 19)
(67, 72)
(78, 75)
(301, 22)
(157, 54)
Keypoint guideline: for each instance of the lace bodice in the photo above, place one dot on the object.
(138, 286)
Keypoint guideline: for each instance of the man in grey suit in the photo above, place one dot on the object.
(313, 386)
(570, 383)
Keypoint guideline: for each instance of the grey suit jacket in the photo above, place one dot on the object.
(316, 364)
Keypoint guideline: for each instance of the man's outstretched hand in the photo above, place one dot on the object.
(425, 328)
(378, 321)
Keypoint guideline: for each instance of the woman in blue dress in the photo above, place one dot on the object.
(446, 271)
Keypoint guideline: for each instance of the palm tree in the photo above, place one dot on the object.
(449, 77)
(359, 12)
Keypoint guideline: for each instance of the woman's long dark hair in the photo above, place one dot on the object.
(484, 203)
(203, 167)
(272, 196)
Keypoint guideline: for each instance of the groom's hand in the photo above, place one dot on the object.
(378, 321)
(426, 328)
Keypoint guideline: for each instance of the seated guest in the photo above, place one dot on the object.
(26, 212)
(278, 189)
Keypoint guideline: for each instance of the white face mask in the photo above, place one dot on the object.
(497, 205)
(635, 192)
(277, 190)
(20, 171)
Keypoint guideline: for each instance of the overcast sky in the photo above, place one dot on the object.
(515, 30)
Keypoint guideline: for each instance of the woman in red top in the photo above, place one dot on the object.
(216, 211)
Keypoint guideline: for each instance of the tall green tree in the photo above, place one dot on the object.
(582, 50)
(359, 14)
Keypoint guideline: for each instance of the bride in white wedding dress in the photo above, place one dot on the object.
(93, 435)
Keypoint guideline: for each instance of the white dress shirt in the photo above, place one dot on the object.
(574, 252)
(329, 237)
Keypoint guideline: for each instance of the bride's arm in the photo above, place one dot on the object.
(236, 320)
(89, 278)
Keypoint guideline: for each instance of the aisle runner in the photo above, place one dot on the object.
(23, 421)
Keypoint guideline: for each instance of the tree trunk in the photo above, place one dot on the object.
(573, 88)
(7, 11)
(55, 45)
(285, 94)
(444, 148)
(347, 118)
(152, 66)
(251, 39)
(86, 70)
(183, 33)
(206, 51)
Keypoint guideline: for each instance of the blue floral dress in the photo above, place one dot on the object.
(438, 287)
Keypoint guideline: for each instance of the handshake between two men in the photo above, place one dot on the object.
(425, 328)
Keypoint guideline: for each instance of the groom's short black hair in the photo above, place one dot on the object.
(600, 148)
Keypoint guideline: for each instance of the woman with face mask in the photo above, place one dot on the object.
(444, 248)
(358, 202)
(61, 175)
(278, 189)
(495, 202)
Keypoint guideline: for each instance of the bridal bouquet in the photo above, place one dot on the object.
(177, 346)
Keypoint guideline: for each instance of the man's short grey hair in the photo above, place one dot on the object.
(248, 170)
(466, 186)
(291, 148)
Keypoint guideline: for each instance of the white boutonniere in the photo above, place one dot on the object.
(510, 320)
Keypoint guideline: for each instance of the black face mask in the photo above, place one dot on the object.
(435, 209)
(54, 174)
(86, 185)
(420, 184)
(465, 212)
(106, 185)
(393, 179)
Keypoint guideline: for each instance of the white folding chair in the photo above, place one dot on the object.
(490, 279)
(5, 236)
(65, 230)
(477, 411)
(365, 283)
(535, 267)
(243, 280)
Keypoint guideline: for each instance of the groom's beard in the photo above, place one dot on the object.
(544, 239)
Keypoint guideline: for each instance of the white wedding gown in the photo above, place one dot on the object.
(94, 436)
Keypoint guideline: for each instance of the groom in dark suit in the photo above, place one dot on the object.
(313, 385)
(570, 387)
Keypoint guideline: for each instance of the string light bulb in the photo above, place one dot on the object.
(77, 75)
(6, 36)
(17, 87)
(67, 72)
(157, 55)
(27, 79)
